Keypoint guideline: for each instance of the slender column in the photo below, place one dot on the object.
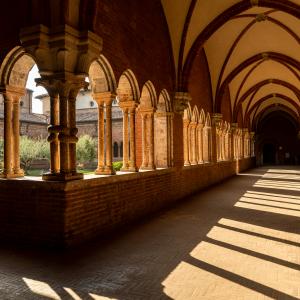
(193, 126)
(64, 135)
(100, 138)
(132, 164)
(186, 143)
(8, 132)
(125, 140)
(109, 167)
(200, 143)
(216, 121)
(151, 164)
(16, 137)
(171, 150)
(73, 132)
(53, 134)
(144, 141)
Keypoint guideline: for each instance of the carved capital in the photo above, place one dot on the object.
(181, 102)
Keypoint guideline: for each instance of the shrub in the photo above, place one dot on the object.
(117, 165)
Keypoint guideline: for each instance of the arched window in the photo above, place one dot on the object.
(116, 149)
(121, 149)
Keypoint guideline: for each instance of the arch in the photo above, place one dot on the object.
(15, 68)
(258, 103)
(128, 88)
(102, 78)
(281, 58)
(148, 97)
(283, 5)
(164, 102)
(202, 117)
(208, 120)
(195, 114)
(260, 85)
(187, 114)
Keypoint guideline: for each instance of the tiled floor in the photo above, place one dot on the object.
(238, 240)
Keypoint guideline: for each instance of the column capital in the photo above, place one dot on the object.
(216, 119)
(62, 49)
(252, 134)
(127, 104)
(181, 102)
(12, 91)
(105, 97)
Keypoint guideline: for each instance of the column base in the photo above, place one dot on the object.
(148, 168)
(62, 176)
(105, 171)
(129, 170)
(12, 175)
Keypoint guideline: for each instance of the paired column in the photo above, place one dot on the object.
(186, 142)
(200, 143)
(62, 130)
(194, 144)
(104, 101)
(147, 140)
(252, 144)
(129, 145)
(216, 121)
(12, 96)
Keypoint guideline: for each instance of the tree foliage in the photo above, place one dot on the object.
(86, 149)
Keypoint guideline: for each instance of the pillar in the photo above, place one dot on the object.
(193, 136)
(104, 101)
(125, 167)
(132, 162)
(12, 97)
(200, 143)
(216, 120)
(186, 142)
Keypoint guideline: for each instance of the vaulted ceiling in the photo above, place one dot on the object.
(252, 47)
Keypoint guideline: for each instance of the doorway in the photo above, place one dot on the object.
(269, 154)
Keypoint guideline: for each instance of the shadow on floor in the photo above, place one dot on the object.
(215, 244)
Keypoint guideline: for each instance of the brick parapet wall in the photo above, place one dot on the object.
(65, 214)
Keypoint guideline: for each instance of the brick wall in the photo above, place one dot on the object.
(65, 214)
(199, 85)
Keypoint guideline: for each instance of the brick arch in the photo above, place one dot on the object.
(282, 108)
(279, 57)
(283, 5)
(256, 106)
(258, 86)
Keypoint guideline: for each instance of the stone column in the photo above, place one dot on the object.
(186, 143)
(151, 163)
(144, 141)
(16, 136)
(233, 139)
(12, 97)
(125, 140)
(108, 109)
(216, 119)
(193, 151)
(132, 163)
(53, 133)
(170, 117)
(100, 167)
(104, 101)
(73, 132)
(200, 143)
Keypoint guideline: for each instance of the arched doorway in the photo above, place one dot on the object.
(269, 154)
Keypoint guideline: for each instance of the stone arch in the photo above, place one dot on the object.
(15, 68)
(102, 78)
(128, 89)
(128, 95)
(202, 117)
(164, 102)
(193, 136)
(145, 127)
(14, 72)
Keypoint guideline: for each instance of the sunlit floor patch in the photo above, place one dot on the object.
(41, 288)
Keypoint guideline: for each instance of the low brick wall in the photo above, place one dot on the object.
(64, 214)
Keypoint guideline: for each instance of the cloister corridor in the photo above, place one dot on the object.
(237, 240)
